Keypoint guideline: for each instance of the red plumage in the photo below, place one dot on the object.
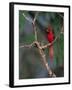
(50, 38)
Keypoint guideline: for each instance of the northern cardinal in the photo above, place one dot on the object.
(50, 38)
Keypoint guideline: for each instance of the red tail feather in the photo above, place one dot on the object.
(51, 52)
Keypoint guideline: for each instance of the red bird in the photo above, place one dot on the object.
(50, 38)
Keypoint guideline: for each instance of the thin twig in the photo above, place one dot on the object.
(61, 16)
(28, 19)
(35, 31)
(27, 46)
(35, 16)
(34, 27)
(62, 30)
(33, 23)
(47, 45)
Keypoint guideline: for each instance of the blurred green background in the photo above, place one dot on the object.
(30, 65)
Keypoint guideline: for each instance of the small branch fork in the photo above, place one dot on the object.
(39, 47)
(33, 23)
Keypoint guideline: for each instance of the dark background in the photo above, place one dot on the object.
(30, 65)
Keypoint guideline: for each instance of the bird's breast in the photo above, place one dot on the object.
(50, 37)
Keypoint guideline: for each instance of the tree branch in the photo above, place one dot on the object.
(61, 16)
(35, 16)
(46, 63)
(33, 23)
(28, 19)
(38, 45)
(62, 30)
(41, 52)
(34, 27)
(49, 44)
(42, 55)
(27, 46)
